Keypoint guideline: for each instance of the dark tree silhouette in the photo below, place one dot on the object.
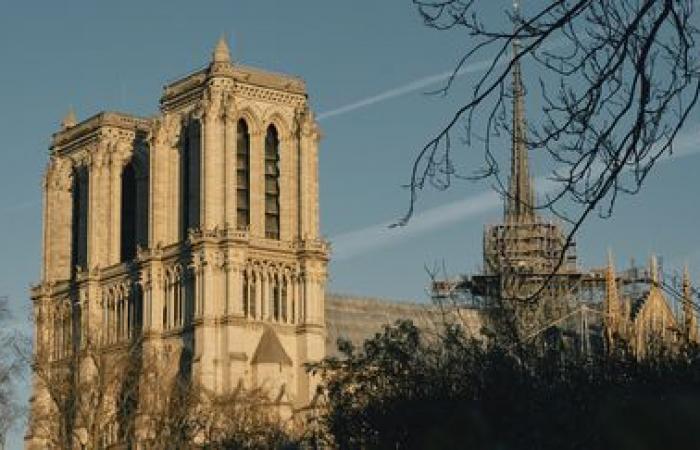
(408, 389)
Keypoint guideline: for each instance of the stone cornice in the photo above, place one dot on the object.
(249, 82)
(121, 125)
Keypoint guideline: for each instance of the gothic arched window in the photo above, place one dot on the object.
(272, 196)
(81, 188)
(190, 176)
(242, 176)
(128, 214)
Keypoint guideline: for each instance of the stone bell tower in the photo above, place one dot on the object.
(234, 230)
(194, 233)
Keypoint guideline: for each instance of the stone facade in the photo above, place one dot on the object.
(195, 230)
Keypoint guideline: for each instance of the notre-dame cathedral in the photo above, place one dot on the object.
(196, 234)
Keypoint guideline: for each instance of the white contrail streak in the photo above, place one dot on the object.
(375, 237)
(423, 83)
(405, 89)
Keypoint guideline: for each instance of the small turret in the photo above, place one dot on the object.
(690, 326)
(221, 54)
(654, 271)
(69, 121)
(612, 304)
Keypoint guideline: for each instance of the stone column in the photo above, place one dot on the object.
(156, 192)
(146, 284)
(58, 211)
(257, 183)
(313, 228)
(259, 286)
(100, 213)
(308, 178)
(173, 213)
(286, 200)
(119, 160)
(230, 178)
(288, 298)
(157, 296)
(213, 162)
(234, 289)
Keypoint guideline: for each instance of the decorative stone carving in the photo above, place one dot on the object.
(269, 95)
(165, 131)
(60, 174)
(212, 102)
(309, 126)
(230, 110)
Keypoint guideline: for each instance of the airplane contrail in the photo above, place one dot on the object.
(404, 89)
(423, 83)
(378, 236)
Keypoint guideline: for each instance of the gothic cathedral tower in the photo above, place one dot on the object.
(195, 233)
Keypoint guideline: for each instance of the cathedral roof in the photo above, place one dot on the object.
(270, 350)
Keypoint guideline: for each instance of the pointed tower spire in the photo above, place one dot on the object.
(612, 304)
(654, 270)
(221, 54)
(69, 120)
(520, 191)
(689, 319)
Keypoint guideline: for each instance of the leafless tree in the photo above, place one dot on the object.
(11, 369)
(80, 397)
(618, 81)
(177, 412)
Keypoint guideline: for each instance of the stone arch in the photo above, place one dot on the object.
(281, 123)
(272, 176)
(251, 119)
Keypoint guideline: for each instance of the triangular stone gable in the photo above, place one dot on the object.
(270, 350)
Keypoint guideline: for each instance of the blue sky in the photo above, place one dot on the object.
(366, 65)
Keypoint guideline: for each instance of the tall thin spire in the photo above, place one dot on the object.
(520, 190)
(654, 270)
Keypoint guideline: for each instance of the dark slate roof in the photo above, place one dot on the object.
(360, 318)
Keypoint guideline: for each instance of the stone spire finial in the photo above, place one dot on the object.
(689, 319)
(612, 304)
(69, 120)
(520, 190)
(654, 270)
(221, 54)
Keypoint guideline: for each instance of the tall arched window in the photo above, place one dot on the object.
(190, 176)
(272, 196)
(128, 214)
(242, 176)
(81, 188)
